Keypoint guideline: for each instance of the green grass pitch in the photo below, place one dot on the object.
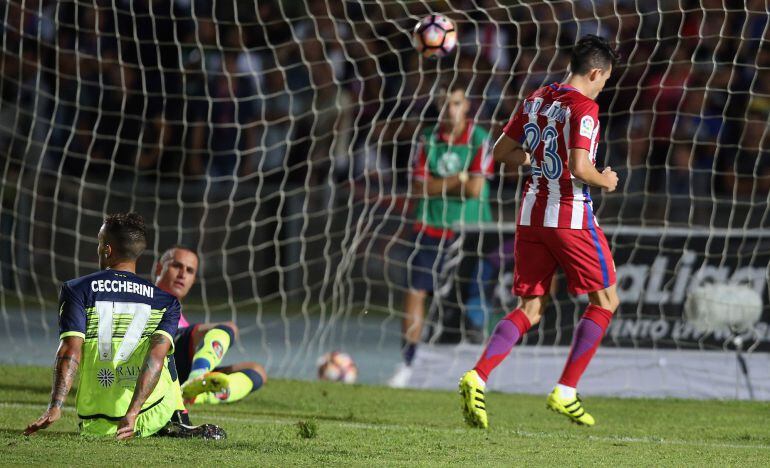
(363, 425)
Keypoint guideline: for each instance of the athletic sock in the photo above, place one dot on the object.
(211, 350)
(567, 392)
(241, 384)
(408, 351)
(587, 338)
(507, 333)
(181, 417)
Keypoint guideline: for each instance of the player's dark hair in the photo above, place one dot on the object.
(166, 256)
(126, 234)
(450, 86)
(590, 52)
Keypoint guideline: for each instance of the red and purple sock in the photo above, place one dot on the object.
(507, 333)
(586, 339)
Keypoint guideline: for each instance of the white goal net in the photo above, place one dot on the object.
(277, 140)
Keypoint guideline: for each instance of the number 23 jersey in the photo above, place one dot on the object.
(115, 312)
(549, 122)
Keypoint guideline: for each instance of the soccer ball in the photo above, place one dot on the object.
(435, 36)
(337, 367)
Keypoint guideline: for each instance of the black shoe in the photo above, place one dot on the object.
(181, 417)
(183, 431)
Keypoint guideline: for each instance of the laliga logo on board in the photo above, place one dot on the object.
(650, 284)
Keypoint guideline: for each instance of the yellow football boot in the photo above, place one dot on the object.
(569, 407)
(213, 382)
(472, 392)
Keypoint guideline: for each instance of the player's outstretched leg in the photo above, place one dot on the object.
(507, 333)
(211, 349)
(585, 341)
(243, 378)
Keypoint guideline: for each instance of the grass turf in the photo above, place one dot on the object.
(363, 425)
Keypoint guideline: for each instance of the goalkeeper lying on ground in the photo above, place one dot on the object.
(200, 348)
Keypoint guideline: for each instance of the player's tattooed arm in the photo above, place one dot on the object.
(145, 383)
(64, 371)
(150, 372)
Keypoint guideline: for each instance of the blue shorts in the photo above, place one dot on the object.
(426, 261)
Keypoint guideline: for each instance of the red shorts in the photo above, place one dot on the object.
(583, 254)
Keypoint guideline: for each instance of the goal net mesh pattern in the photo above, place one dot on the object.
(276, 139)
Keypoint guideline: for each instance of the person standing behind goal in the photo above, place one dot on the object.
(556, 130)
(452, 164)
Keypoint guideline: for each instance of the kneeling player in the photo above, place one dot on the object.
(200, 348)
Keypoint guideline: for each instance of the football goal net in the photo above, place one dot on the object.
(278, 140)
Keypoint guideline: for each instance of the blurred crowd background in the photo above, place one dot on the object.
(308, 90)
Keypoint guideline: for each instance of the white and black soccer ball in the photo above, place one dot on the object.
(337, 366)
(435, 36)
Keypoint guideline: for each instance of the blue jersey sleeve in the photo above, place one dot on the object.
(72, 314)
(170, 321)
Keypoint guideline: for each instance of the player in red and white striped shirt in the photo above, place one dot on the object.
(556, 131)
(553, 121)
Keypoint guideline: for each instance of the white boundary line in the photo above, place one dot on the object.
(290, 420)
